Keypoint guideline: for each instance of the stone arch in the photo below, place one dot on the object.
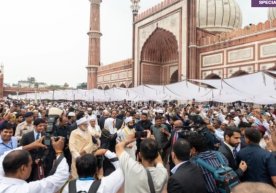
(159, 56)
(239, 73)
(106, 87)
(123, 85)
(130, 85)
(114, 86)
(174, 77)
(99, 87)
(212, 76)
(272, 68)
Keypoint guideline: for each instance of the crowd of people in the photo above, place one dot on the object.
(142, 147)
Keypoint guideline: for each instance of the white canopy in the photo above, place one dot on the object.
(257, 88)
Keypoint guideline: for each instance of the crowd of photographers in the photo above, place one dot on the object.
(142, 147)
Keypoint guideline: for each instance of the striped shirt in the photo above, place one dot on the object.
(211, 158)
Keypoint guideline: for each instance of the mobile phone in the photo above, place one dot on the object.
(141, 134)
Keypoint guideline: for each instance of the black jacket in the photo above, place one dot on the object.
(188, 178)
(226, 151)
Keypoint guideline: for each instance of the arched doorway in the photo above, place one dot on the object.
(272, 68)
(114, 86)
(174, 77)
(123, 85)
(239, 73)
(130, 85)
(213, 76)
(99, 87)
(159, 58)
(106, 87)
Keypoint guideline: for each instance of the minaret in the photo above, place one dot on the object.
(1, 81)
(94, 55)
(193, 70)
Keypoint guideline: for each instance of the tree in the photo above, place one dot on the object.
(82, 85)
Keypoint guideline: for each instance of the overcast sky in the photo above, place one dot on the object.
(48, 39)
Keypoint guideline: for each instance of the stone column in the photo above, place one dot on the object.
(193, 69)
(94, 55)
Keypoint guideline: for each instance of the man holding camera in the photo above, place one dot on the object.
(149, 176)
(90, 177)
(38, 166)
(16, 166)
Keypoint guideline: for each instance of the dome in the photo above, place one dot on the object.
(272, 13)
(218, 15)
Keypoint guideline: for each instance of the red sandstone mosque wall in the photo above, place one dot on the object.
(249, 50)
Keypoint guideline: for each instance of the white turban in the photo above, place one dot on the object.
(128, 119)
(92, 117)
(81, 121)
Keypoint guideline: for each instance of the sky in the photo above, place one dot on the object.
(48, 39)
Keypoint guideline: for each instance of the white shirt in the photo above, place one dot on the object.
(136, 179)
(109, 184)
(177, 166)
(50, 184)
(219, 133)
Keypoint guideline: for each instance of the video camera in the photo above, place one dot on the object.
(53, 115)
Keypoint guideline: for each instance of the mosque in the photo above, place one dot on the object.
(184, 39)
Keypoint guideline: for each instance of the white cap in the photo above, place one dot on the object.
(81, 121)
(55, 111)
(89, 109)
(92, 117)
(71, 114)
(128, 119)
(225, 122)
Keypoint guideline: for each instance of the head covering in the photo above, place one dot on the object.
(81, 121)
(128, 119)
(225, 122)
(71, 114)
(108, 125)
(39, 121)
(28, 114)
(92, 117)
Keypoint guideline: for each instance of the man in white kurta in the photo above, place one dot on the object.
(124, 133)
(80, 143)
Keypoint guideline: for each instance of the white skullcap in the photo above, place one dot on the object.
(225, 122)
(81, 121)
(71, 114)
(128, 119)
(160, 111)
(55, 111)
(92, 117)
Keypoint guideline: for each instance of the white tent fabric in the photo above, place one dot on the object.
(257, 88)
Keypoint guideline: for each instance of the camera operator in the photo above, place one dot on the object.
(88, 169)
(150, 175)
(38, 166)
(63, 130)
(16, 166)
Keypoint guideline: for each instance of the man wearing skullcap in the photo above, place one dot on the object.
(124, 133)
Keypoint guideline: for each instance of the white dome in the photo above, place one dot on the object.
(272, 13)
(218, 15)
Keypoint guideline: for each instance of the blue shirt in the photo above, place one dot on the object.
(261, 164)
(12, 144)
